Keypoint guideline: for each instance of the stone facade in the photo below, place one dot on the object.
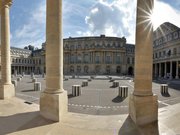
(27, 61)
(82, 56)
(166, 54)
(98, 55)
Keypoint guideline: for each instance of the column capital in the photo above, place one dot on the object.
(5, 3)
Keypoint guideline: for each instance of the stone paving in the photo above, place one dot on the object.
(18, 118)
(99, 97)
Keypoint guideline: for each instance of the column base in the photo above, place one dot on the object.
(177, 77)
(53, 106)
(143, 110)
(7, 91)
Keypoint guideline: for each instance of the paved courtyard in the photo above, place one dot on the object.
(99, 97)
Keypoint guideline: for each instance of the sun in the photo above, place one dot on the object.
(147, 15)
(153, 18)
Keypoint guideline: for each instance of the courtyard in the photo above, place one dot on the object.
(99, 97)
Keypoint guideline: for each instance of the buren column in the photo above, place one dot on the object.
(143, 105)
(6, 88)
(53, 101)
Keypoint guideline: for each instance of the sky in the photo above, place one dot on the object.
(85, 18)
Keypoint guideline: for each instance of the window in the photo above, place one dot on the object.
(86, 69)
(108, 58)
(174, 51)
(118, 59)
(169, 53)
(155, 55)
(79, 58)
(72, 59)
(175, 35)
(78, 69)
(169, 37)
(86, 58)
(71, 69)
(132, 60)
(97, 59)
(159, 54)
(128, 60)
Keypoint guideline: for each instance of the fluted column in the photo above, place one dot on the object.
(159, 70)
(7, 89)
(53, 101)
(170, 70)
(177, 70)
(155, 69)
(165, 69)
(143, 105)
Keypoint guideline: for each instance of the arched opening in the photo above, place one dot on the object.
(86, 69)
(130, 71)
(97, 69)
(118, 69)
(78, 69)
(72, 69)
(108, 70)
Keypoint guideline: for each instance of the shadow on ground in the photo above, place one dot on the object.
(70, 96)
(165, 94)
(113, 86)
(29, 120)
(118, 99)
(129, 128)
(27, 90)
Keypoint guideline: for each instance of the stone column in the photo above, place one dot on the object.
(177, 70)
(7, 88)
(53, 101)
(170, 70)
(155, 69)
(159, 70)
(165, 69)
(143, 105)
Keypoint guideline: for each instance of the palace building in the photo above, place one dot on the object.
(26, 61)
(98, 55)
(166, 51)
(82, 56)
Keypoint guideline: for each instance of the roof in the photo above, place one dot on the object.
(165, 29)
(15, 48)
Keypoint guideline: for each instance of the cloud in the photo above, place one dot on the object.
(163, 12)
(32, 32)
(74, 13)
(115, 18)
